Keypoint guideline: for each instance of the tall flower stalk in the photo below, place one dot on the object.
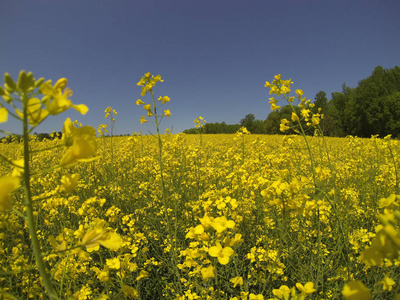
(147, 82)
(110, 114)
(200, 122)
(282, 87)
(21, 102)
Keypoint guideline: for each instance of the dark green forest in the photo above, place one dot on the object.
(373, 107)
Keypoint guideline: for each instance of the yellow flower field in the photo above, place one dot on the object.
(255, 216)
(195, 216)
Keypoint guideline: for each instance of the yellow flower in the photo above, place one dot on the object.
(3, 115)
(206, 221)
(284, 125)
(223, 254)
(315, 120)
(147, 107)
(282, 293)
(193, 231)
(387, 283)
(308, 288)
(56, 98)
(113, 263)
(69, 131)
(356, 290)
(69, 182)
(242, 296)
(274, 106)
(142, 120)
(167, 113)
(164, 99)
(236, 281)
(130, 292)
(382, 246)
(232, 242)
(142, 274)
(19, 167)
(84, 145)
(295, 117)
(104, 275)
(8, 184)
(385, 202)
(207, 272)
(256, 297)
(36, 114)
(100, 236)
(56, 246)
(220, 224)
(299, 93)
(138, 102)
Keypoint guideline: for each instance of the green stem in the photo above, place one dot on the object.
(171, 233)
(29, 208)
(307, 144)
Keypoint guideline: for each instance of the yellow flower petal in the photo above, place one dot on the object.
(142, 120)
(167, 113)
(3, 115)
(8, 184)
(356, 290)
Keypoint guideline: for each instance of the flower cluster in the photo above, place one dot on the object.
(147, 82)
(301, 113)
(199, 121)
(55, 98)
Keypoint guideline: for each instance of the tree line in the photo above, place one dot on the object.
(373, 107)
(37, 136)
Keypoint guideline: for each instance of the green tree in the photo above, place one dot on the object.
(372, 106)
(248, 122)
(321, 101)
(271, 124)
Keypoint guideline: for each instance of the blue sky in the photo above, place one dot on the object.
(213, 55)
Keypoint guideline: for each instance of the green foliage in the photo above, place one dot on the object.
(248, 122)
(213, 128)
(371, 108)
(321, 101)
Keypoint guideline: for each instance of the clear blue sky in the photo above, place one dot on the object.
(214, 56)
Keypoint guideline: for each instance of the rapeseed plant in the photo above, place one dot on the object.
(24, 105)
(200, 122)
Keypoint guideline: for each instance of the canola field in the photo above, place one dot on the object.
(255, 206)
(175, 216)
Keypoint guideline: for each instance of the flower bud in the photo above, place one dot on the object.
(7, 97)
(38, 82)
(10, 83)
(25, 81)
(8, 89)
(2, 92)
